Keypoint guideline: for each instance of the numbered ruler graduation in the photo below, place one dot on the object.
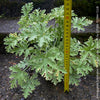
(67, 33)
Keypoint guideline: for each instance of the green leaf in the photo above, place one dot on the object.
(29, 86)
(27, 8)
(18, 75)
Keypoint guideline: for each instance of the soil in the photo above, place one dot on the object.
(46, 91)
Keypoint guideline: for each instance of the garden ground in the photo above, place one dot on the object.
(46, 91)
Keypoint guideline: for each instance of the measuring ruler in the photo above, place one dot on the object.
(67, 33)
(97, 60)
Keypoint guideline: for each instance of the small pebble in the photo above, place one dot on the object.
(5, 66)
(2, 98)
(22, 99)
(7, 96)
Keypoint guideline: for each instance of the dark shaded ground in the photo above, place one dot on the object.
(46, 91)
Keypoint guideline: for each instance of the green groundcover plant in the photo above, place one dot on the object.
(42, 47)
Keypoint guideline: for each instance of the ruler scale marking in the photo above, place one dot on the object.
(67, 32)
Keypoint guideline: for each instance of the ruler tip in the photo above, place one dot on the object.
(66, 91)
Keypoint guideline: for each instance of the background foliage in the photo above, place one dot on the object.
(11, 8)
(82, 7)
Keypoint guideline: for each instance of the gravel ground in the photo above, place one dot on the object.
(8, 26)
(11, 26)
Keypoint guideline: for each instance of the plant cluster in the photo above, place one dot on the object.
(42, 47)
